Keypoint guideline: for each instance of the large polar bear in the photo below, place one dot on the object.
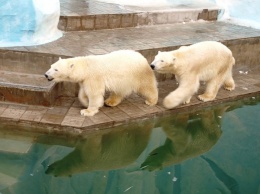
(120, 72)
(207, 61)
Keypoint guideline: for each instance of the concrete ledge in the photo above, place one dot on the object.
(87, 15)
(112, 21)
(27, 89)
(25, 61)
(65, 120)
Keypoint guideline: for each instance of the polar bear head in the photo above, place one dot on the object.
(60, 71)
(164, 62)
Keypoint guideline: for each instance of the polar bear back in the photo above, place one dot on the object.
(119, 70)
(205, 58)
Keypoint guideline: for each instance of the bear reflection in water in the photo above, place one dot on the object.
(188, 136)
(105, 150)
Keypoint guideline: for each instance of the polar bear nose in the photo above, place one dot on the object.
(49, 78)
(152, 66)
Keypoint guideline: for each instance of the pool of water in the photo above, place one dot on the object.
(210, 151)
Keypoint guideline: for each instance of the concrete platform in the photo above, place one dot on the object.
(82, 15)
(22, 84)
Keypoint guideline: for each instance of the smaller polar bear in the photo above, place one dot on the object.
(120, 73)
(207, 61)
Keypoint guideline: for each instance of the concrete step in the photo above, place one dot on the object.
(82, 15)
(26, 88)
(243, 41)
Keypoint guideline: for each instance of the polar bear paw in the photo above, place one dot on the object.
(187, 101)
(150, 103)
(205, 97)
(229, 84)
(88, 112)
(229, 87)
(113, 101)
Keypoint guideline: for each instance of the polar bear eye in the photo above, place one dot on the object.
(55, 69)
(162, 61)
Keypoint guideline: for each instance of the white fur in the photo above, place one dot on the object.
(120, 72)
(207, 61)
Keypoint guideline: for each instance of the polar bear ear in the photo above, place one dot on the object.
(60, 58)
(173, 59)
(159, 52)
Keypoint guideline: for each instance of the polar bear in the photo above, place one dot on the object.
(120, 73)
(208, 61)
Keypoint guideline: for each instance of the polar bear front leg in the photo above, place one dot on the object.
(83, 98)
(177, 78)
(182, 94)
(187, 101)
(95, 102)
(96, 99)
(89, 111)
(175, 98)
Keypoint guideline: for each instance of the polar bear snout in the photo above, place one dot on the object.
(152, 66)
(48, 77)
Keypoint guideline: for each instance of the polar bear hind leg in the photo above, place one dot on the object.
(150, 93)
(212, 87)
(114, 99)
(229, 83)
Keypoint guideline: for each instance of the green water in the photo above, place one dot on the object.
(211, 151)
